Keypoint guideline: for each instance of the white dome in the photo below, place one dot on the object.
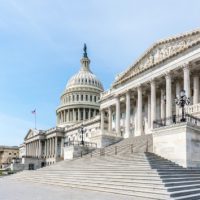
(80, 100)
(84, 78)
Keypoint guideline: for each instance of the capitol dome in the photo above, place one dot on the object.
(80, 99)
(86, 78)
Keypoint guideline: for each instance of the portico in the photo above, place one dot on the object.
(148, 88)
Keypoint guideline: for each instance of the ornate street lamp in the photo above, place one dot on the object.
(82, 131)
(182, 101)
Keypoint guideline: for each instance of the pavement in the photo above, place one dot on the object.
(21, 190)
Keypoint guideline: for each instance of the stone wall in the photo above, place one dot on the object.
(179, 143)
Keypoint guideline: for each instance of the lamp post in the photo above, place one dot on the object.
(82, 131)
(182, 101)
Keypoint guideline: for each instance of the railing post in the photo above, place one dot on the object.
(81, 154)
(131, 148)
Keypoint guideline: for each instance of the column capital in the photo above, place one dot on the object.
(185, 66)
(128, 91)
(168, 75)
(139, 87)
(152, 80)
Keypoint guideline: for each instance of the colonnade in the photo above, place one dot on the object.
(76, 114)
(46, 148)
(144, 101)
(34, 148)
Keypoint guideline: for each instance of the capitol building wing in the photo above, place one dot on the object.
(140, 102)
(146, 91)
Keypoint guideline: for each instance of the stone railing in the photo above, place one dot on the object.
(79, 143)
(193, 109)
(177, 119)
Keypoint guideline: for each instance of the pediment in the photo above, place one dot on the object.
(159, 52)
(31, 133)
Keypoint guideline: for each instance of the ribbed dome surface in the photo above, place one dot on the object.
(86, 78)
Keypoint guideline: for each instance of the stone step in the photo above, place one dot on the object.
(188, 197)
(175, 184)
(116, 190)
(146, 178)
(143, 185)
(107, 179)
(185, 187)
(124, 177)
(181, 179)
(185, 192)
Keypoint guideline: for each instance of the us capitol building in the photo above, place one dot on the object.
(141, 101)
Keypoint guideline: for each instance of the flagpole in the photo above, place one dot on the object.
(35, 118)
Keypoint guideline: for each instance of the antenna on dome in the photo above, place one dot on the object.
(85, 51)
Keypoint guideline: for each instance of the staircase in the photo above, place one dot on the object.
(129, 171)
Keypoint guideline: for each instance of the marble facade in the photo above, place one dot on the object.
(139, 97)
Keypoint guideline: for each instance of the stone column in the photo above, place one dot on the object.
(50, 146)
(139, 111)
(61, 116)
(153, 102)
(36, 148)
(186, 75)
(162, 106)
(83, 113)
(67, 115)
(127, 122)
(79, 115)
(117, 122)
(62, 147)
(33, 149)
(26, 147)
(149, 111)
(29, 149)
(53, 146)
(48, 149)
(102, 122)
(178, 90)
(110, 119)
(56, 146)
(89, 113)
(74, 115)
(196, 89)
(168, 96)
(44, 154)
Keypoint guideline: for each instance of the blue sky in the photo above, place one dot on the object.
(41, 45)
